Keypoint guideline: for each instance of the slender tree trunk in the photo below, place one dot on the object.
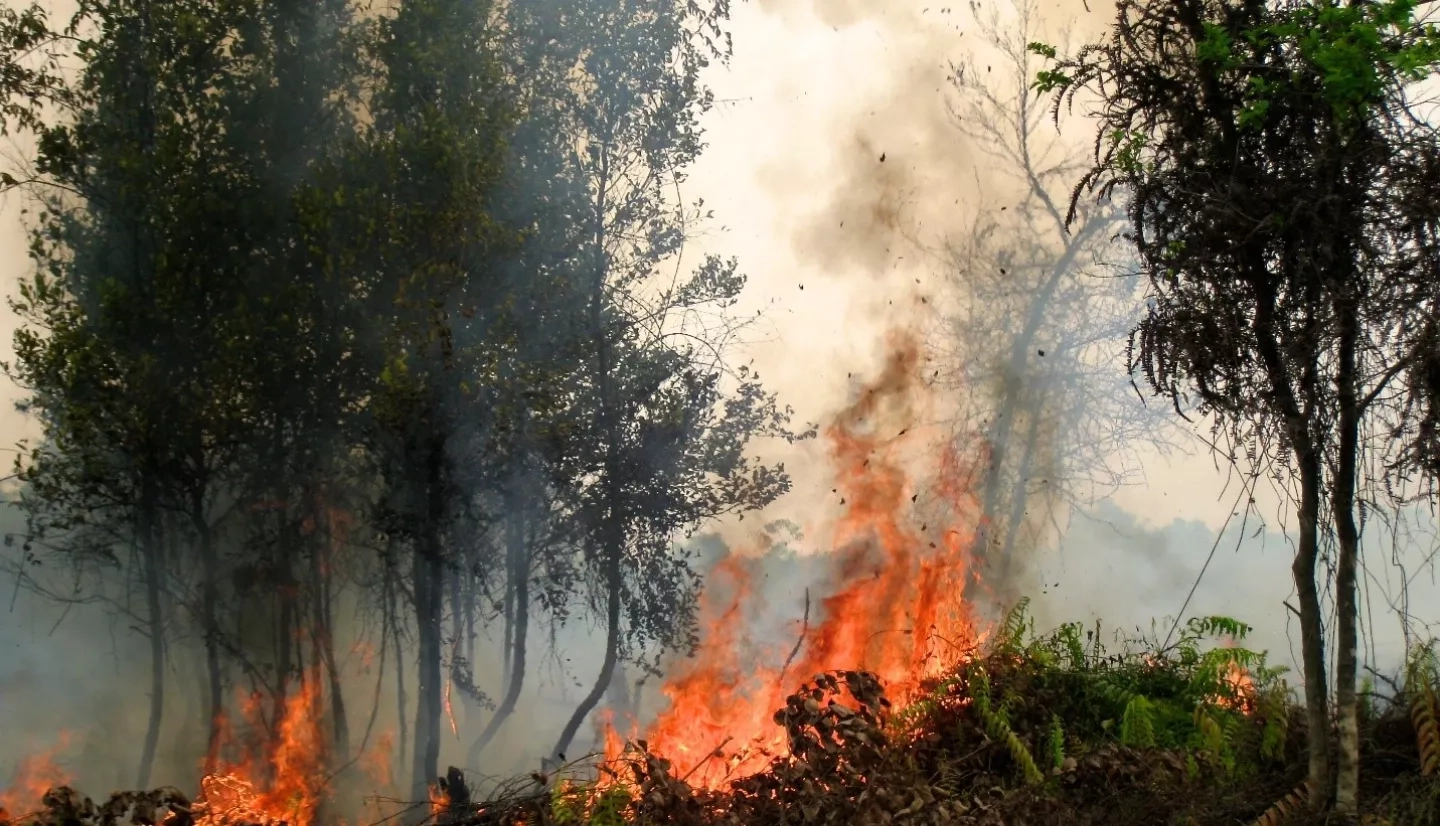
(149, 529)
(1343, 489)
(210, 628)
(1312, 634)
(429, 592)
(322, 572)
(612, 527)
(517, 566)
(1307, 451)
(1020, 496)
(612, 649)
(285, 633)
(1011, 401)
(392, 619)
(507, 612)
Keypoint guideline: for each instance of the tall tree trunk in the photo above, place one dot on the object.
(209, 626)
(429, 597)
(612, 527)
(1312, 634)
(507, 612)
(1342, 503)
(285, 640)
(392, 621)
(322, 573)
(517, 567)
(1307, 451)
(1020, 495)
(150, 551)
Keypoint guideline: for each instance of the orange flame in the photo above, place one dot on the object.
(896, 610)
(280, 780)
(33, 777)
(1241, 684)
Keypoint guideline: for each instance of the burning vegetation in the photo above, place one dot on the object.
(1027, 728)
(941, 718)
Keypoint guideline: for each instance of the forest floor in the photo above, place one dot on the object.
(1034, 729)
(1049, 729)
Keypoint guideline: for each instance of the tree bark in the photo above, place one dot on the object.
(612, 652)
(517, 565)
(1312, 634)
(210, 627)
(429, 591)
(322, 569)
(1342, 503)
(148, 525)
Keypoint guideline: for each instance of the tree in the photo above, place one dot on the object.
(1282, 199)
(170, 183)
(660, 427)
(416, 240)
(122, 347)
(1040, 313)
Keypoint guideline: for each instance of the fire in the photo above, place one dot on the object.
(1241, 695)
(1240, 685)
(283, 779)
(897, 608)
(34, 776)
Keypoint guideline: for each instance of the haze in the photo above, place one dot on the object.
(816, 94)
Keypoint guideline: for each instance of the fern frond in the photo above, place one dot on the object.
(1218, 627)
(1425, 715)
(1057, 742)
(1137, 725)
(1286, 808)
(1012, 632)
(1423, 674)
(999, 729)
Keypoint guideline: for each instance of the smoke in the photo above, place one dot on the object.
(836, 168)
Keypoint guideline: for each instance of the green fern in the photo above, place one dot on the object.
(566, 806)
(610, 808)
(1137, 724)
(1011, 637)
(1057, 742)
(1068, 636)
(998, 727)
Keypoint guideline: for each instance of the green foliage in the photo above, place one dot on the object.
(1059, 692)
(997, 725)
(1057, 742)
(576, 804)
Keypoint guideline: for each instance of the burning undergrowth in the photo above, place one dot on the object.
(909, 710)
(1031, 728)
(897, 602)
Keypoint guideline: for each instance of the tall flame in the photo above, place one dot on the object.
(897, 609)
(283, 778)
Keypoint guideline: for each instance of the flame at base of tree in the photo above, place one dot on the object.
(898, 608)
(273, 774)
